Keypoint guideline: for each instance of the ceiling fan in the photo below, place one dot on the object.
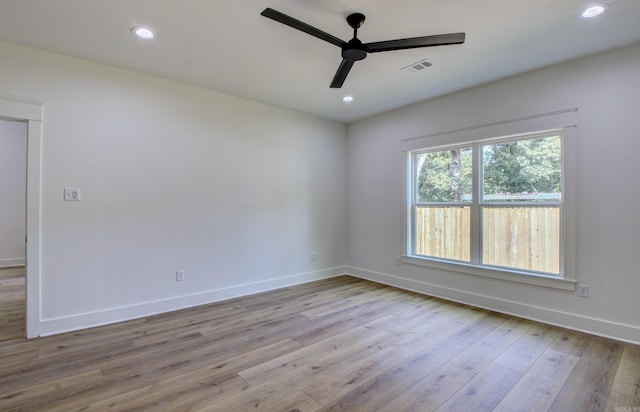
(354, 49)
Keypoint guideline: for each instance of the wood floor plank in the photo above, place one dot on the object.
(430, 334)
(478, 330)
(14, 272)
(334, 386)
(67, 343)
(618, 402)
(337, 344)
(18, 357)
(589, 384)
(38, 397)
(571, 342)
(627, 380)
(330, 325)
(439, 322)
(17, 376)
(158, 384)
(484, 391)
(388, 384)
(540, 385)
(432, 391)
(12, 307)
(147, 360)
(157, 328)
(181, 393)
(342, 306)
(417, 305)
(235, 341)
(298, 402)
(483, 352)
(311, 353)
(526, 350)
(181, 359)
(269, 390)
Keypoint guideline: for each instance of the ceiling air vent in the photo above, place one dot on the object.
(418, 66)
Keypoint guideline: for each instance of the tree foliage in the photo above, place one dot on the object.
(518, 167)
(524, 166)
(444, 176)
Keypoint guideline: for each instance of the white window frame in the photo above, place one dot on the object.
(527, 128)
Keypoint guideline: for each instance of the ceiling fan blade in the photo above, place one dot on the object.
(302, 26)
(415, 42)
(341, 74)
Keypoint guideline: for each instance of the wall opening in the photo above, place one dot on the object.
(13, 205)
(30, 112)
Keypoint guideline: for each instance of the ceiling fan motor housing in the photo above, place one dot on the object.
(354, 50)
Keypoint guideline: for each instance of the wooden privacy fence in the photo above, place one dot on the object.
(444, 232)
(516, 237)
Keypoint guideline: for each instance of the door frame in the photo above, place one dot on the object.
(31, 111)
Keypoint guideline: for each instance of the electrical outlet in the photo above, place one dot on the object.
(72, 194)
(179, 275)
(583, 291)
(398, 260)
(313, 256)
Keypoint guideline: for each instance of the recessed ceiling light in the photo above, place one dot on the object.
(143, 32)
(593, 11)
(347, 99)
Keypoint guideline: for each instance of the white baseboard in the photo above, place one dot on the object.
(600, 327)
(120, 314)
(595, 326)
(9, 262)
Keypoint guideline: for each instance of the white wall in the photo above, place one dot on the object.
(606, 89)
(236, 193)
(13, 180)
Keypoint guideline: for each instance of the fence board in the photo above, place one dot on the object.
(516, 237)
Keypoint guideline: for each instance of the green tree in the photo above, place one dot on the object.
(444, 176)
(525, 166)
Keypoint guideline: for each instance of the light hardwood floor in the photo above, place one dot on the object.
(341, 344)
(12, 310)
(12, 272)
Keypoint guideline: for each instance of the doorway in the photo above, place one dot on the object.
(30, 112)
(13, 204)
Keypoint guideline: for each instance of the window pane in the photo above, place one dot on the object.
(443, 232)
(444, 176)
(523, 171)
(526, 238)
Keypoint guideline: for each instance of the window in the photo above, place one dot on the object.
(493, 203)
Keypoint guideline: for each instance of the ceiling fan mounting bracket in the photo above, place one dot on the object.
(355, 20)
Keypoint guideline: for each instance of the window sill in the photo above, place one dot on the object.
(494, 273)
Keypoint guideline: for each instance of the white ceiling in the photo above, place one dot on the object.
(227, 46)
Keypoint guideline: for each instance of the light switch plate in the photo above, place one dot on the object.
(180, 275)
(72, 194)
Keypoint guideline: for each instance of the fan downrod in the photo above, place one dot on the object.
(354, 50)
